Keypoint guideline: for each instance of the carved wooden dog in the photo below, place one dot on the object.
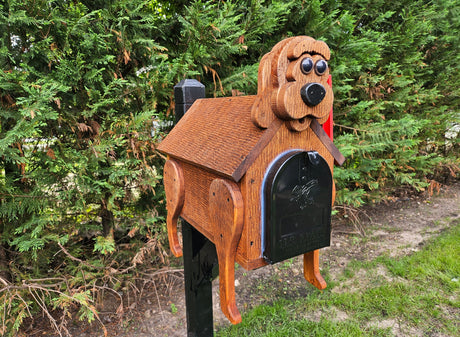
(220, 151)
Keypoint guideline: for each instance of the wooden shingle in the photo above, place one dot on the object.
(218, 135)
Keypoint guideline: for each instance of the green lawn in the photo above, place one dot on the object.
(416, 295)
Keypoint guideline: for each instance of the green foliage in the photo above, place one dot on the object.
(104, 245)
(390, 113)
(82, 82)
(77, 160)
(383, 156)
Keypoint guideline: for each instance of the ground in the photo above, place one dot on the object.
(395, 228)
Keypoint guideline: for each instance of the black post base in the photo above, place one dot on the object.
(200, 268)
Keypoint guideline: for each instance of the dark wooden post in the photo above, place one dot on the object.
(200, 257)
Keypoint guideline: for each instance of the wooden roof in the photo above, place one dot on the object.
(218, 134)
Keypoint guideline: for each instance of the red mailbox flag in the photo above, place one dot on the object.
(329, 124)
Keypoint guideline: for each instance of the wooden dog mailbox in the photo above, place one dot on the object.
(254, 173)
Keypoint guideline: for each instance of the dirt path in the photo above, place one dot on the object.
(399, 228)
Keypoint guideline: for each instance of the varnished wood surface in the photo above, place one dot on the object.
(280, 80)
(261, 111)
(310, 46)
(339, 159)
(173, 180)
(195, 210)
(286, 99)
(221, 149)
(218, 135)
(198, 181)
(311, 269)
(226, 218)
(250, 248)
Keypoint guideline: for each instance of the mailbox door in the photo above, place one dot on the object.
(297, 201)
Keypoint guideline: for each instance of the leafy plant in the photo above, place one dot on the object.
(86, 87)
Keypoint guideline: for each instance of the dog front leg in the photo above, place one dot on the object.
(226, 216)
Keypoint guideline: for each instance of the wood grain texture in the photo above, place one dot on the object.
(220, 151)
(261, 112)
(287, 101)
(311, 269)
(217, 135)
(198, 181)
(195, 209)
(249, 253)
(281, 61)
(309, 45)
(300, 124)
(173, 179)
(339, 159)
(280, 80)
(226, 218)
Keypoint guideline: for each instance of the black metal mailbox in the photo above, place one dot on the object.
(297, 204)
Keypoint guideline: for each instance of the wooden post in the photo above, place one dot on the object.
(200, 256)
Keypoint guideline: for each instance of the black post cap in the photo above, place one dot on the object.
(187, 91)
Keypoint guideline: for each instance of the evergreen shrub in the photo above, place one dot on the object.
(86, 88)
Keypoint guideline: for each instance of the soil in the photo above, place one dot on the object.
(394, 228)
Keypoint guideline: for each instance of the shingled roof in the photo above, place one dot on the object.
(218, 134)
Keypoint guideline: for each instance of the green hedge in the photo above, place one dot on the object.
(82, 81)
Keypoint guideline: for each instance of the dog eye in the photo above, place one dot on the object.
(306, 65)
(320, 67)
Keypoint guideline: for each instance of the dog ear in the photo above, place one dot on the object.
(262, 113)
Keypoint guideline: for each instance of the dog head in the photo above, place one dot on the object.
(293, 84)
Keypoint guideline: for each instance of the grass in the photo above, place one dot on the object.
(410, 295)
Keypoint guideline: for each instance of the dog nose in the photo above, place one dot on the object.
(312, 93)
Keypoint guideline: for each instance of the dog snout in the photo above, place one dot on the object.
(312, 93)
